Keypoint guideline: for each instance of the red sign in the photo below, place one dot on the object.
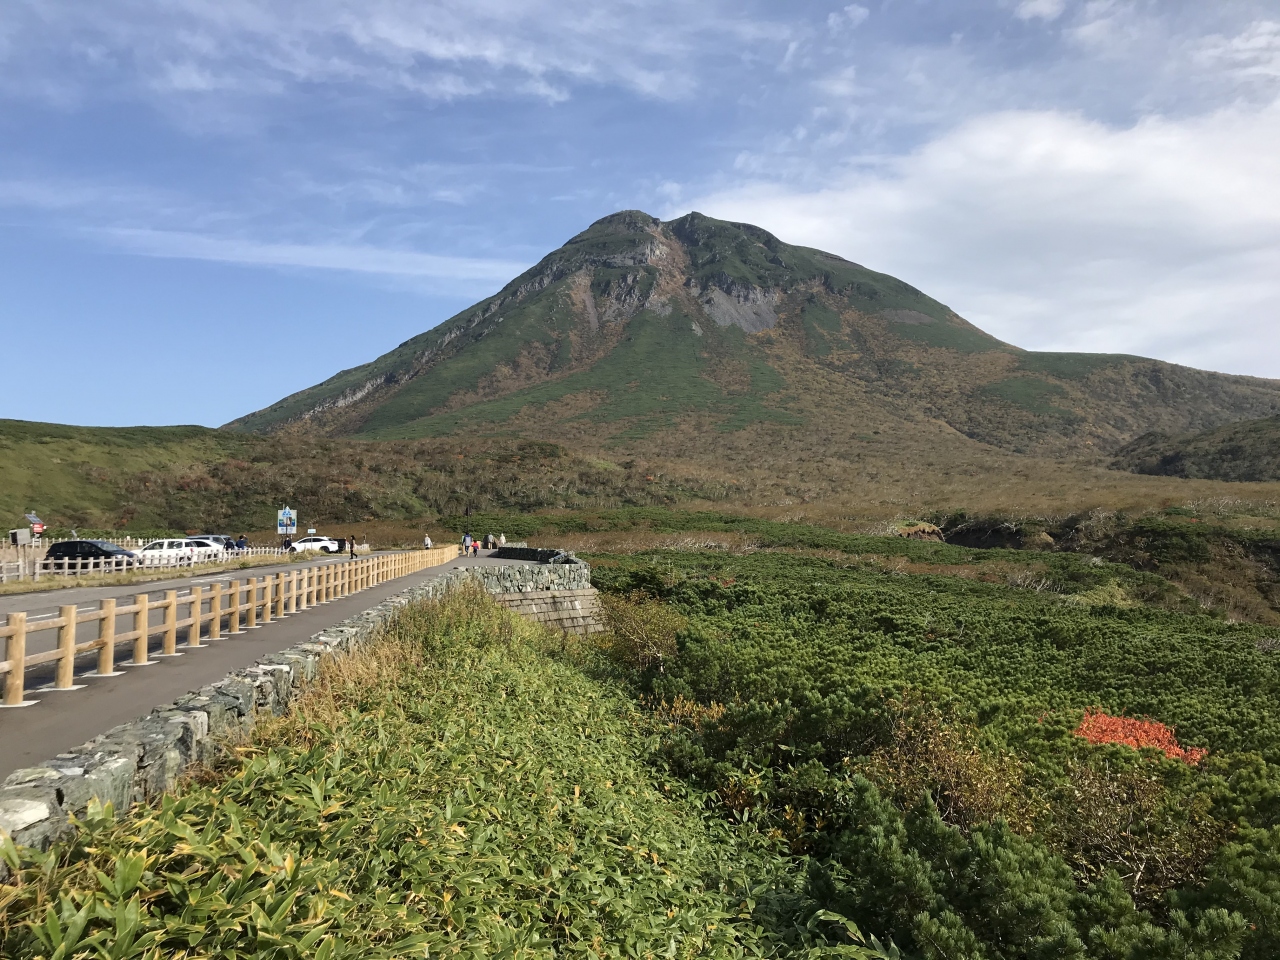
(37, 528)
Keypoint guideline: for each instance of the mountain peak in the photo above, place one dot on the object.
(623, 222)
(635, 328)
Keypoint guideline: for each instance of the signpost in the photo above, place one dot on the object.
(286, 522)
(37, 526)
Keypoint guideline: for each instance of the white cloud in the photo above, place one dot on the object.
(356, 258)
(850, 18)
(1055, 232)
(842, 84)
(1253, 54)
(1042, 9)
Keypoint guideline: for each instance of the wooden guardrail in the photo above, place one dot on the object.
(33, 569)
(244, 604)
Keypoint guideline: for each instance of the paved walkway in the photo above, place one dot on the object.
(64, 719)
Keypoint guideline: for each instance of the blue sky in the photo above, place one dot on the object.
(207, 204)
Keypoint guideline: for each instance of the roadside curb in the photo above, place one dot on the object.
(139, 761)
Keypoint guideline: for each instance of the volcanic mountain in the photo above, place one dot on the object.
(700, 334)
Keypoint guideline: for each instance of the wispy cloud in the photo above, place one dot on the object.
(1040, 9)
(354, 258)
(428, 48)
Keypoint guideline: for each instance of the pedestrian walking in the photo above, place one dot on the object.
(426, 542)
(466, 544)
(502, 539)
(351, 541)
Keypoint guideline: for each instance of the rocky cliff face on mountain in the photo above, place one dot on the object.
(644, 332)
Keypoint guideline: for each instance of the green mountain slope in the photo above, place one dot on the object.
(1249, 450)
(640, 330)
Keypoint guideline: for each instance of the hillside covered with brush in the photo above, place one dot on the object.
(719, 337)
(1248, 450)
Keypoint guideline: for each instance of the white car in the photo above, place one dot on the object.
(208, 548)
(322, 544)
(162, 552)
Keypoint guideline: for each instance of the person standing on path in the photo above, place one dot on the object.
(351, 542)
(426, 542)
(502, 539)
(466, 544)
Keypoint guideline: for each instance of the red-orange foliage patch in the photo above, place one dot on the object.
(1099, 727)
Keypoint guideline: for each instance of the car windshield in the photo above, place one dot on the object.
(108, 546)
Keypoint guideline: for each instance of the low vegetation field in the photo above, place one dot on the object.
(452, 791)
(976, 770)
(791, 741)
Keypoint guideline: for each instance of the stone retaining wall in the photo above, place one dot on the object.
(138, 761)
(573, 611)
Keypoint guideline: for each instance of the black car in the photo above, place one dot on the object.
(89, 550)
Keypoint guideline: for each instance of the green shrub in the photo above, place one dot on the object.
(641, 630)
(912, 736)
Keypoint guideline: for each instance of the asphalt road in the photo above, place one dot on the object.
(63, 719)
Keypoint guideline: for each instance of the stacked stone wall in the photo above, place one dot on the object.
(573, 611)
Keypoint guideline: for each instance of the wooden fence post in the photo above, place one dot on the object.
(280, 582)
(170, 642)
(233, 626)
(215, 611)
(293, 591)
(64, 678)
(266, 598)
(16, 653)
(107, 639)
(197, 601)
(141, 627)
(253, 603)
